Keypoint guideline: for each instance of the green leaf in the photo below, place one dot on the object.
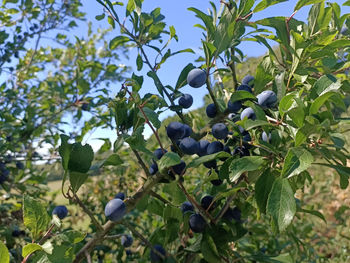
(241, 95)
(302, 3)
(113, 159)
(244, 164)
(209, 250)
(118, 41)
(315, 213)
(152, 116)
(71, 237)
(171, 212)
(4, 253)
(175, 193)
(35, 216)
(111, 21)
(198, 161)
(316, 105)
(157, 82)
(80, 158)
(296, 161)
(250, 124)
(324, 84)
(77, 179)
(139, 62)
(169, 159)
(297, 115)
(100, 17)
(266, 3)
(182, 80)
(281, 204)
(263, 188)
(64, 151)
(137, 141)
(207, 20)
(30, 248)
(225, 169)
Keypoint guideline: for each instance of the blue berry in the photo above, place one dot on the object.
(211, 110)
(219, 131)
(186, 206)
(234, 107)
(186, 101)
(196, 78)
(127, 241)
(189, 146)
(159, 153)
(61, 211)
(248, 113)
(267, 99)
(202, 147)
(155, 257)
(197, 223)
(115, 209)
(120, 196)
(215, 147)
(175, 130)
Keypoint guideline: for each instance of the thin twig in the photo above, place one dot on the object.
(107, 227)
(194, 202)
(224, 209)
(88, 212)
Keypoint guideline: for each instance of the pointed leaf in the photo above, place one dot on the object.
(281, 204)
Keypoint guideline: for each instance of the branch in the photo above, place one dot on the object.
(87, 211)
(224, 209)
(107, 227)
(204, 212)
(144, 240)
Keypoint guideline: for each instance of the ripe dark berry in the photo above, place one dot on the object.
(234, 107)
(216, 182)
(210, 164)
(189, 146)
(179, 168)
(115, 209)
(248, 80)
(206, 202)
(265, 137)
(219, 131)
(120, 196)
(153, 169)
(215, 147)
(211, 110)
(245, 88)
(175, 130)
(61, 211)
(202, 147)
(85, 106)
(188, 131)
(155, 257)
(186, 206)
(196, 78)
(233, 214)
(267, 99)
(20, 165)
(248, 113)
(242, 151)
(126, 241)
(197, 223)
(159, 153)
(186, 101)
